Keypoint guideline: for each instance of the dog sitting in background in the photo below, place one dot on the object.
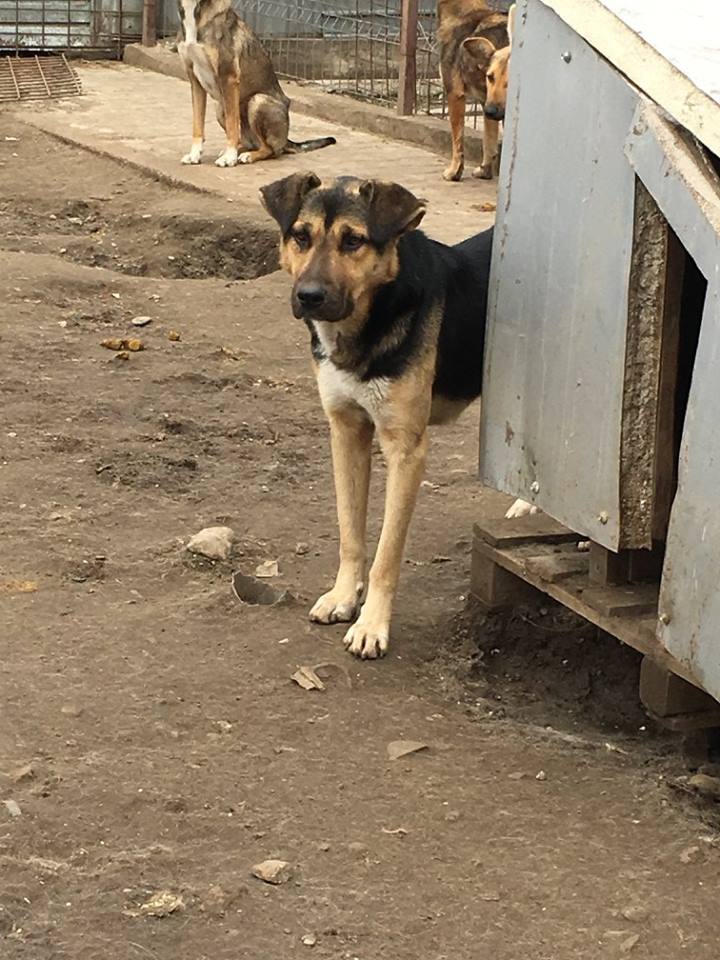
(224, 58)
(397, 331)
(474, 62)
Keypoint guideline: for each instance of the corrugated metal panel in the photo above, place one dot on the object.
(68, 24)
(552, 397)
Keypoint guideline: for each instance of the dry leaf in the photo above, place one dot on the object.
(401, 748)
(160, 904)
(113, 343)
(306, 678)
(267, 569)
(488, 206)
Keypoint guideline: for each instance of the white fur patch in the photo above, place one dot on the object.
(338, 388)
(521, 508)
(228, 158)
(189, 25)
(245, 157)
(195, 154)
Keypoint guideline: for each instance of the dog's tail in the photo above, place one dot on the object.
(304, 146)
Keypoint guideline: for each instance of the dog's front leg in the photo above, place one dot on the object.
(456, 112)
(230, 91)
(199, 105)
(351, 434)
(491, 136)
(405, 452)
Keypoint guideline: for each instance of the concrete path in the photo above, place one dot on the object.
(144, 118)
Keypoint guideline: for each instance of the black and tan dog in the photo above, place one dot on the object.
(224, 58)
(475, 44)
(397, 329)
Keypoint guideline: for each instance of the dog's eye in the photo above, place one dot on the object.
(351, 241)
(301, 238)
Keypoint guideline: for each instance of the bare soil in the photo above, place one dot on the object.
(153, 748)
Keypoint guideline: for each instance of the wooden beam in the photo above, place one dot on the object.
(408, 52)
(149, 26)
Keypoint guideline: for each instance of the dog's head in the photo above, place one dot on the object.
(494, 63)
(339, 239)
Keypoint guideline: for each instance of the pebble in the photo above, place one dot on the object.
(705, 785)
(71, 709)
(215, 543)
(309, 940)
(141, 321)
(692, 855)
(273, 871)
(452, 816)
(541, 775)
(635, 913)
(302, 548)
(627, 945)
(12, 808)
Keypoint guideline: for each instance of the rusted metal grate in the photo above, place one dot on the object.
(37, 78)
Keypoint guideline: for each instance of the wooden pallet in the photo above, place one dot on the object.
(525, 560)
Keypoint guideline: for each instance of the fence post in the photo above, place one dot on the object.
(408, 50)
(149, 24)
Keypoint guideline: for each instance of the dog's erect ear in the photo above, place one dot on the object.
(284, 198)
(392, 210)
(480, 49)
(511, 23)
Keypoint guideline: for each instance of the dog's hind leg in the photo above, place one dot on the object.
(491, 136)
(456, 112)
(405, 451)
(351, 434)
(199, 104)
(230, 92)
(270, 124)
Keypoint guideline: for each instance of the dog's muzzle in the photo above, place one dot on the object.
(494, 112)
(314, 301)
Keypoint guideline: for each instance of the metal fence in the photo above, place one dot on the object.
(87, 26)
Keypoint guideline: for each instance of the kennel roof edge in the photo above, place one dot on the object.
(661, 48)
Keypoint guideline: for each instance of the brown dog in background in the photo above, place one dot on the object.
(224, 58)
(474, 61)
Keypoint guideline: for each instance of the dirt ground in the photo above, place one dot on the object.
(152, 746)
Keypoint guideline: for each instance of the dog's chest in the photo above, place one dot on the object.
(189, 22)
(339, 388)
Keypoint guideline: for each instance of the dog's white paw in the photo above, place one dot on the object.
(334, 607)
(245, 157)
(367, 640)
(194, 156)
(521, 508)
(228, 158)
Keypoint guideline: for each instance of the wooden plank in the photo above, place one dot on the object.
(408, 53)
(607, 567)
(557, 566)
(646, 294)
(633, 600)
(494, 587)
(535, 527)
(637, 630)
(666, 695)
(667, 434)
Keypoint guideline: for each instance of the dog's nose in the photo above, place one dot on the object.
(311, 295)
(493, 111)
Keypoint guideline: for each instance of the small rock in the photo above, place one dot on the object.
(705, 785)
(324, 847)
(635, 913)
(452, 816)
(173, 335)
(692, 855)
(309, 940)
(215, 543)
(302, 548)
(401, 748)
(541, 775)
(267, 569)
(273, 871)
(627, 945)
(160, 904)
(23, 773)
(215, 902)
(141, 321)
(71, 710)
(519, 775)
(12, 808)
